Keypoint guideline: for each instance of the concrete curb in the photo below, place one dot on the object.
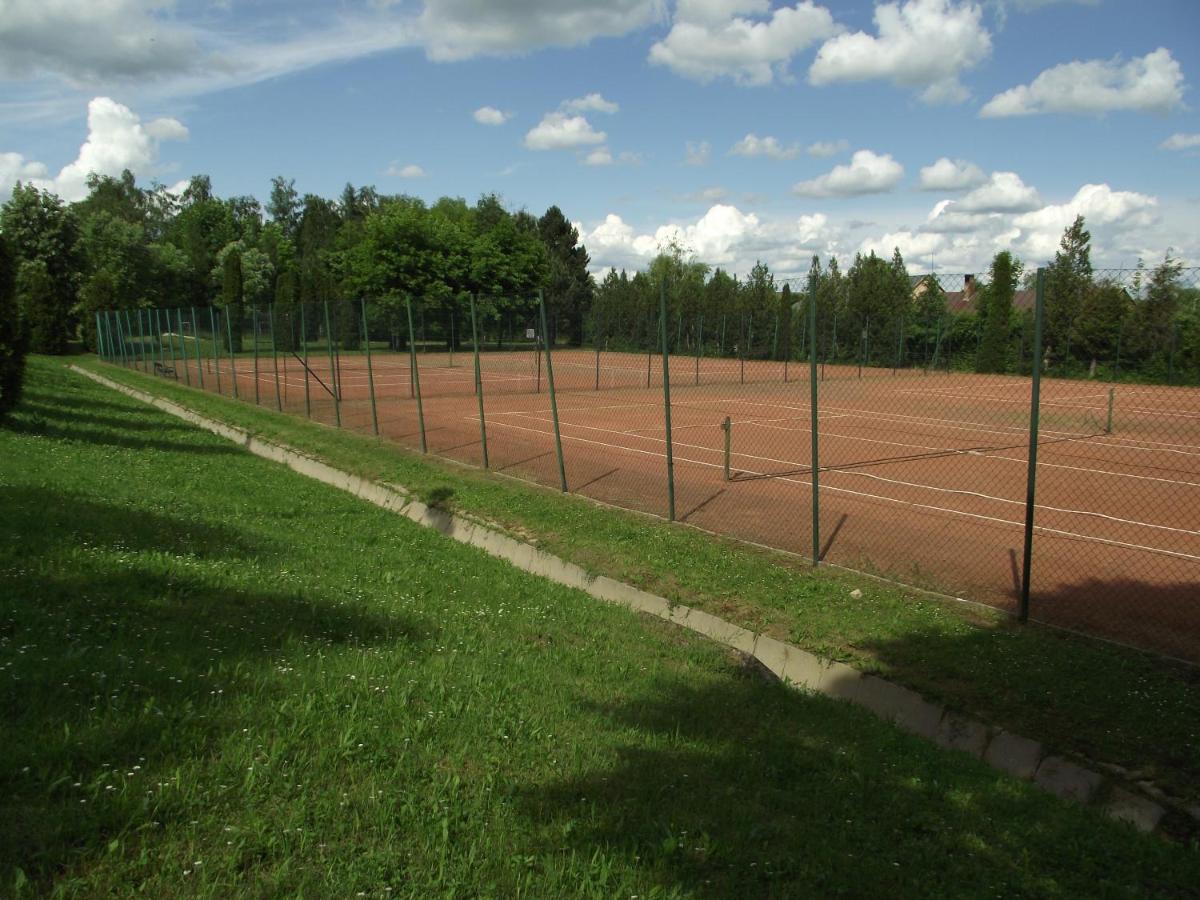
(1019, 756)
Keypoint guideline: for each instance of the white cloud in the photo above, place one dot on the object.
(462, 29)
(601, 156)
(1151, 83)
(697, 153)
(1181, 142)
(706, 195)
(489, 115)
(559, 131)
(116, 140)
(412, 170)
(1107, 212)
(951, 175)
(867, 173)
(710, 39)
(1003, 192)
(925, 44)
(753, 145)
(828, 148)
(590, 103)
(947, 217)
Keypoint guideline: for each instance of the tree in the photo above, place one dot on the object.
(1153, 320)
(1101, 319)
(1068, 281)
(569, 285)
(232, 298)
(284, 205)
(12, 333)
(40, 229)
(996, 306)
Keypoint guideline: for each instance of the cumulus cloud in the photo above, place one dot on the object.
(867, 173)
(1181, 142)
(412, 170)
(696, 153)
(753, 145)
(116, 140)
(924, 44)
(1002, 192)
(828, 148)
(1151, 83)
(602, 156)
(462, 29)
(1105, 210)
(951, 175)
(715, 39)
(489, 115)
(559, 131)
(590, 103)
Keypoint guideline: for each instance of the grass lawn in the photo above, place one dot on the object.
(1079, 696)
(217, 677)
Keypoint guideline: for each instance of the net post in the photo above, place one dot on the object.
(416, 373)
(727, 427)
(274, 355)
(478, 383)
(257, 392)
(199, 349)
(304, 349)
(337, 405)
(187, 371)
(1108, 422)
(662, 301)
(232, 362)
(370, 369)
(216, 340)
(812, 407)
(562, 471)
(1034, 413)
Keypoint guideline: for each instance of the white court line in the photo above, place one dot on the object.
(1043, 528)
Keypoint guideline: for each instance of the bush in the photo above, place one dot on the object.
(12, 334)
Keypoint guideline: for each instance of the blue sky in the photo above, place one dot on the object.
(744, 128)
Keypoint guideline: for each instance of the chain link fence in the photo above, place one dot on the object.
(1035, 448)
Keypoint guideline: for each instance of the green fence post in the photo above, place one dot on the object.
(337, 405)
(199, 349)
(1034, 413)
(662, 300)
(699, 346)
(1108, 423)
(171, 343)
(99, 338)
(370, 370)
(142, 342)
(478, 383)
(187, 369)
(812, 405)
(742, 350)
(274, 355)
(416, 374)
(727, 427)
(649, 347)
(304, 348)
(158, 334)
(562, 471)
(216, 342)
(254, 316)
(122, 338)
(233, 376)
(596, 338)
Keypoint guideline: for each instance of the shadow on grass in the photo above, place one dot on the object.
(120, 653)
(730, 789)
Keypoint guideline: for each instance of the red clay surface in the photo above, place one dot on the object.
(922, 476)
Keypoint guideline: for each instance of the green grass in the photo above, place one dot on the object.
(217, 677)
(1081, 697)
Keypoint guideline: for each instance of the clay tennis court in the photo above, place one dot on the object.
(922, 475)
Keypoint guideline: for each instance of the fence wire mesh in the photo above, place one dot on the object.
(1035, 448)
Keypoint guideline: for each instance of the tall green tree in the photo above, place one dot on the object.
(284, 206)
(233, 299)
(1068, 282)
(569, 285)
(12, 333)
(1106, 307)
(997, 311)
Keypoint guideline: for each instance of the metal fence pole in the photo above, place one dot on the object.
(336, 391)
(232, 362)
(257, 392)
(212, 322)
(416, 374)
(171, 343)
(199, 349)
(99, 348)
(662, 300)
(304, 349)
(122, 338)
(812, 405)
(1034, 413)
(596, 338)
(187, 370)
(274, 355)
(478, 383)
(699, 347)
(370, 370)
(142, 341)
(562, 471)
(158, 335)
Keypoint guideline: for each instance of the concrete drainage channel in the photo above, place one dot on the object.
(1011, 753)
